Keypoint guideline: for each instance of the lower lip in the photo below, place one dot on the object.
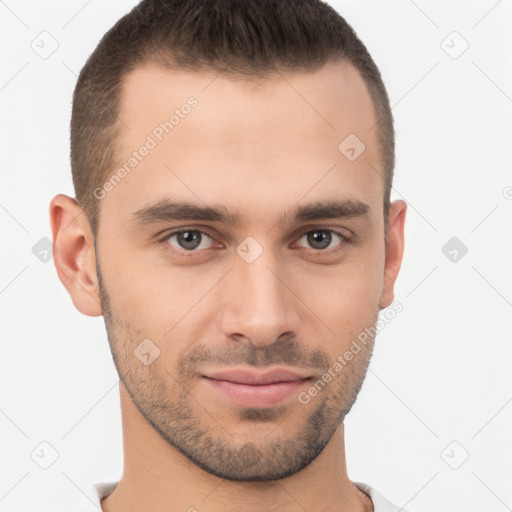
(264, 395)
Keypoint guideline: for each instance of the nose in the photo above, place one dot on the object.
(258, 303)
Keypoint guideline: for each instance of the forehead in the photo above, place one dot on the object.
(329, 102)
(215, 137)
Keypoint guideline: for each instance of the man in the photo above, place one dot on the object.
(233, 162)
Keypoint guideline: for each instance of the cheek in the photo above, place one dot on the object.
(154, 300)
(354, 312)
(344, 294)
(137, 296)
(159, 300)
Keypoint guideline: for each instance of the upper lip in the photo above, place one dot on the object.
(243, 376)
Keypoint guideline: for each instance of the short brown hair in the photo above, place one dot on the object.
(237, 38)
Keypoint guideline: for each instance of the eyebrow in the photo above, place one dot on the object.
(167, 210)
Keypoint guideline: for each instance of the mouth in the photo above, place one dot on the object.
(257, 389)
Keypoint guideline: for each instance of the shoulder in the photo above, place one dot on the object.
(380, 503)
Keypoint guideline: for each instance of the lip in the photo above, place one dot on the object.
(257, 389)
(243, 376)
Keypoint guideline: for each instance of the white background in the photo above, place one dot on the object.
(442, 368)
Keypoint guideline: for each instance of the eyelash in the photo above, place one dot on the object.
(193, 253)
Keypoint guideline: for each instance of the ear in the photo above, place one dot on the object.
(394, 250)
(75, 256)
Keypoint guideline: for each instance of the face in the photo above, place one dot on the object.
(224, 312)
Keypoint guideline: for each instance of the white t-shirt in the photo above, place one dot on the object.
(103, 489)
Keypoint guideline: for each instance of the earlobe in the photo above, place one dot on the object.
(75, 256)
(394, 250)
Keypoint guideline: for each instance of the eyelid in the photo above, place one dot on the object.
(181, 230)
(297, 236)
(337, 231)
(343, 232)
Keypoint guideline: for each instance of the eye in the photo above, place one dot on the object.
(188, 239)
(320, 239)
(188, 242)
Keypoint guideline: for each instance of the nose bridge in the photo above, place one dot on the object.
(259, 305)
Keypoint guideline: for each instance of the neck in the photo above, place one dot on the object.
(159, 478)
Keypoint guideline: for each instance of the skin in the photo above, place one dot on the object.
(186, 445)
